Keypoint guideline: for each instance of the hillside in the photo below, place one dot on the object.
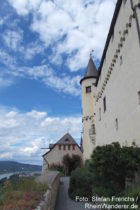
(11, 166)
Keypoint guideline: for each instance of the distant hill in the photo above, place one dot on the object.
(11, 166)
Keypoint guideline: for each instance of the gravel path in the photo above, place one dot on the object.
(63, 202)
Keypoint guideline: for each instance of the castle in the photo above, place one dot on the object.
(111, 95)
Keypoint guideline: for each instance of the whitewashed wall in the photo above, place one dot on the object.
(56, 156)
(121, 89)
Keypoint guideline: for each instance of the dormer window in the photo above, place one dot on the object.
(66, 140)
(88, 89)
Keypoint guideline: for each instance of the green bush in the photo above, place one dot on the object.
(80, 183)
(111, 165)
(106, 172)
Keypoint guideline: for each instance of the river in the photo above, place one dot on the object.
(26, 172)
(5, 175)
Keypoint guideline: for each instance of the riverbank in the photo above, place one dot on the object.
(7, 175)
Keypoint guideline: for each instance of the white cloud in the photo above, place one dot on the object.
(5, 82)
(32, 50)
(24, 6)
(73, 27)
(63, 83)
(37, 115)
(7, 59)
(13, 39)
(22, 134)
(70, 29)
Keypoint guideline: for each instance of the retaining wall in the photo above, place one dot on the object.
(52, 179)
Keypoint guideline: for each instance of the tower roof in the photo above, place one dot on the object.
(91, 71)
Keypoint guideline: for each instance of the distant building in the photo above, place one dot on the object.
(111, 95)
(66, 145)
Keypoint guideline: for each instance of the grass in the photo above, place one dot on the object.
(22, 194)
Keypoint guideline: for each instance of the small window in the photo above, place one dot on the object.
(59, 147)
(99, 114)
(93, 129)
(104, 103)
(116, 124)
(73, 146)
(64, 147)
(121, 60)
(88, 89)
(68, 147)
(66, 139)
(139, 97)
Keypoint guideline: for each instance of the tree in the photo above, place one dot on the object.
(71, 163)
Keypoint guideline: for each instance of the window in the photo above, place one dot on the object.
(88, 89)
(99, 114)
(93, 129)
(104, 103)
(59, 147)
(121, 60)
(139, 97)
(64, 147)
(73, 146)
(68, 147)
(116, 124)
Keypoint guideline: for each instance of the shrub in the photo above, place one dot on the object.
(106, 172)
(80, 183)
(111, 165)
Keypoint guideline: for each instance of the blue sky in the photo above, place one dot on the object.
(44, 50)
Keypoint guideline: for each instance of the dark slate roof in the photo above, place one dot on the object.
(66, 139)
(91, 71)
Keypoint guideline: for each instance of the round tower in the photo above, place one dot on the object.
(88, 88)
